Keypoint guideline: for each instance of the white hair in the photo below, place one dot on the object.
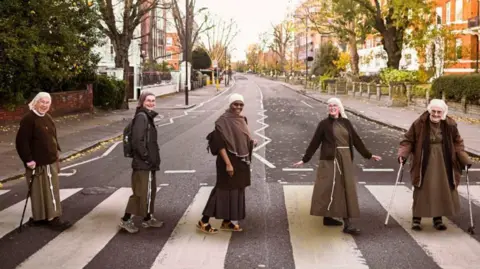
(40, 95)
(337, 101)
(438, 103)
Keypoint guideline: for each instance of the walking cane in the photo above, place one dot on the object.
(399, 178)
(26, 201)
(471, 229)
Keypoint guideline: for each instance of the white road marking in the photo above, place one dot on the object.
(163, 185)
(452, 248)
(105, 154)
(3, 191)
(77, 246)
(474, 193)
(10, 217)
(315, 245)
(263, 160)
(377, 169)
(180, 171)
(74, 171)
(189, 249)
(474, 170)
(362, 182)
(203, 184)
(307, 104)
(297, 169)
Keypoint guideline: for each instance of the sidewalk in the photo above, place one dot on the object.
(80, 132)
(396, 117)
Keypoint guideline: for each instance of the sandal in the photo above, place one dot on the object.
(206, 228)
(416, 226)
(439, 225)
(229, 226)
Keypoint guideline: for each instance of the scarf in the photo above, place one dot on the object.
(234, 131)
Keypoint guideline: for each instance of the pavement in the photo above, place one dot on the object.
(279, 231)
(78, 133)
(397, 117)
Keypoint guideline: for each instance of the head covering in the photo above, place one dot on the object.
(142, 98)
(235, 133)
(235, 97)
(37, 98)
(440, 104)
(337, 101)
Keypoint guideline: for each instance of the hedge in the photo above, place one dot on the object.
(108, 92)
(456, 86)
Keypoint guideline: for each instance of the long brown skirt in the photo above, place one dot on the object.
(45, 194)
(435, 198)
(226, 204)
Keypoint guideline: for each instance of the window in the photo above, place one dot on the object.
(439, 15)
(169, 41)
(408, 59)
(447, 12)
(458, 48)
(458, 10)
(168, 56)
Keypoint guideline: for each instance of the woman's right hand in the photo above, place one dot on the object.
(298, 164)
(230, 170)
(31, 164)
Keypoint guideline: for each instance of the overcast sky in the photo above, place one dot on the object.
(252, 16)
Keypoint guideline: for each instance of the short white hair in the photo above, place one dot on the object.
(235, 97)
(439, 103)
(40, 95)
(337, 101)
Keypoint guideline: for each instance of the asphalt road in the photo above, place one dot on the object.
(279, 233)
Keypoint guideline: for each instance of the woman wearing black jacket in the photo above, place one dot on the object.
(145, 163)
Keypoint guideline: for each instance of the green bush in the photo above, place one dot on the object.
(108, 92)
(388, 75)
(420, 90)
(456, 86)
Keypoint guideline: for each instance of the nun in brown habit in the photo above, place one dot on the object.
(335, 190)
(438, 157)
(232, 141)
(38, 148)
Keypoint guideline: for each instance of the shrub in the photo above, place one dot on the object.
(388, 75)
(456, 86)
(420, 90)
(108, 92)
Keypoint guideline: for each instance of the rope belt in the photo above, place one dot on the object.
(335, 165)
(51, 187)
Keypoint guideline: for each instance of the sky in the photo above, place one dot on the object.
(252, 16)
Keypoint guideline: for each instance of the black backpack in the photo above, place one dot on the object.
(127, 137)
(211, 147)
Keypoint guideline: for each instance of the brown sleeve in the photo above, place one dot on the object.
(358, 143)
(460, 147)
(408, 142)
(314, 143)
(24, 138)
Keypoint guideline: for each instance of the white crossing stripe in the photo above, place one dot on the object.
(298, 169)
(474, 193)
(452, 248)
(377, 169)
(179, 171)
(315, 245)
(76, 247)
(189, 249)
(10, 217)
(3, 191)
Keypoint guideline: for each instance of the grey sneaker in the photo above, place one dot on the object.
(153, 222)
(129, 226)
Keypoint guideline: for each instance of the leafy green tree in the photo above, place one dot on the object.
(200, 59)
(325, 60)
(45, 45)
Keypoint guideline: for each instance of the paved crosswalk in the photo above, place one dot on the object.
(313, 245)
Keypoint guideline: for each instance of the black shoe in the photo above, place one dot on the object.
(438, 224)
(327, 221)
(351, 230)
(32, 222)
(58, 224)
(416, 226)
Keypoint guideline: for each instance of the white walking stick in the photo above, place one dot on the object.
(399, 175)
(472, 227)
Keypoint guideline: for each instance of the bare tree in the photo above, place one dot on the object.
(282, 37)
(217, 38)
(192, 31)
(121, 37)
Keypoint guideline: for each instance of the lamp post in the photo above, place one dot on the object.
(142, 56)
(478, 34)
(186, 52)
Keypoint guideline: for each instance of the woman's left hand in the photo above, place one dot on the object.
(376, 158)
(255, 142)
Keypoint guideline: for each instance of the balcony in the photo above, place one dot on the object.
(473, 22)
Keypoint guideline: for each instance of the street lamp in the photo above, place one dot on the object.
(186, 52)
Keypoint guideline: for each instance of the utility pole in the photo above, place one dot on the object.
(186, 52)
(478, 34)
(306, 51)
(225, 75)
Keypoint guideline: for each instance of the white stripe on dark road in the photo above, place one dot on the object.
(3, 191)
(263, 160)
(452, 248)
(180, 171)
(77, 246)
(187, 248)
(315, 245)
(377, 169)
(474, 170)
(10, 217)
(297, 169)
(474, 193)
(307, 104)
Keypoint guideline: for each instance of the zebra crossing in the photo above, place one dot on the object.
(312, 244)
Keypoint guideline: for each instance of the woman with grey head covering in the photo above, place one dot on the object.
(438, 156)
(145, 163)
(38, 148)
(335, 193)
(231, 141)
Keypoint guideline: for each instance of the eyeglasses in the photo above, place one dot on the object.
(238, 104)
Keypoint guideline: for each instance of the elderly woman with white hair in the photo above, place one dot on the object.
(335, 193)
(438, 157)
(38, 148)
(232, 143)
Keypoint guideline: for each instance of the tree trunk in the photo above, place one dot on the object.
(392, 47)
(352, 41)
